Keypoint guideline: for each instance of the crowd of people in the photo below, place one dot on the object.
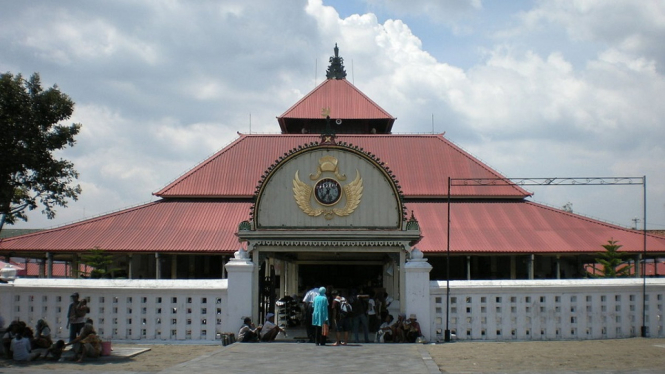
(335, 316)
(22, 344)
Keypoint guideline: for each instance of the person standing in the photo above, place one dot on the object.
(76, 316)
(308, 303)
(320, 316)
(359, 312)
(372, 314)
(341, 318)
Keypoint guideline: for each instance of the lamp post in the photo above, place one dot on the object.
(447, 331)
(644, 329)
(556, 181)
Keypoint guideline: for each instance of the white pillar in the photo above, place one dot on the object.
(417, 294)
(49, 264)
(240, 291)
(158, 266)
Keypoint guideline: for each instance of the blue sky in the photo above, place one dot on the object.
(564, 88)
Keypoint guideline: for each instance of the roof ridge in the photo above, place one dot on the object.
(328, 82)
(482, 164)
(198, 166)
(583, 217)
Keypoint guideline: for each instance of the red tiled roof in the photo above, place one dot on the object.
(343, 99)
(421, 163)
(188, 226)
(30, 268)
(210, 226)
(657, 269)
(519, 226)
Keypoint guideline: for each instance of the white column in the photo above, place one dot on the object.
(240, 291)
(417, 294)
(49, 265)
(158, 266)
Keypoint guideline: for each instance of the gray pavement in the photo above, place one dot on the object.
(309, 358)
(292, 357)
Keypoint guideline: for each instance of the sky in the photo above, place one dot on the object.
(534, 89)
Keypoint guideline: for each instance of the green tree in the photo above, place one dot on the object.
(30, 132)
(613, 261)
(100, 261)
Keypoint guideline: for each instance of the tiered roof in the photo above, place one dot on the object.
(201, 210)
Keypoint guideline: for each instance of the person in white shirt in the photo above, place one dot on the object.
(308, 303)
(371, 314)
(385, 333)
(270, 329)
(21, 348)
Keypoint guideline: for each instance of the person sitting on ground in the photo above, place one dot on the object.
(400, 327)
(413, 332)
(385, 332)
(20, 346)
(43, 337)
(248, 332)
(9, 336)
(55, 350)
(87, 344)
(270, 330)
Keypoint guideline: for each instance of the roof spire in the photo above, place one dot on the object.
(336, 68)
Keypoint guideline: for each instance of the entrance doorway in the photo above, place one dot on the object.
(342, 277)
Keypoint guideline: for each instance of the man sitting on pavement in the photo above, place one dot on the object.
(248, 332)
(270, 330)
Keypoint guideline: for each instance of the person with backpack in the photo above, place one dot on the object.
(341, 318)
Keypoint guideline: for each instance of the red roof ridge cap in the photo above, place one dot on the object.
(475, 160)
(590, 219)
(327, 81)
(198, 166)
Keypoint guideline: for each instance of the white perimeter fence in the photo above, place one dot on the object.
(547, 309)
(500, 310)
(122, 309)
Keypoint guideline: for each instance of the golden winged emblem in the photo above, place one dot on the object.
(327, 192)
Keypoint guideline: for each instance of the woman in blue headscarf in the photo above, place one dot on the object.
(320, 316)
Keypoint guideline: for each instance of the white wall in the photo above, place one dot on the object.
(122, 309)
(480, 310)
(547, 309)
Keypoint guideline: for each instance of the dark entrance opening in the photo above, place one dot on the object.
(342, 277)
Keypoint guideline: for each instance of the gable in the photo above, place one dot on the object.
(329, 187)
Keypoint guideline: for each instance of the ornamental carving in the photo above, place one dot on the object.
(327, 192)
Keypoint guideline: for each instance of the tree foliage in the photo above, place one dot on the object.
(612, 261)
(100, 261)
(30, 133)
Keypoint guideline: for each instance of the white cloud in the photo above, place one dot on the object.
(160, 86)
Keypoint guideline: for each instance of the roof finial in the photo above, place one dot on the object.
(336, 68)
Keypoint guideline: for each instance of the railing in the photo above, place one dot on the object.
(122, 309)
(547, 309)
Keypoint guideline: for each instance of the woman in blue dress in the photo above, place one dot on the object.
(320, 316)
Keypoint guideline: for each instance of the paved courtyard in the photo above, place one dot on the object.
(646, 356)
